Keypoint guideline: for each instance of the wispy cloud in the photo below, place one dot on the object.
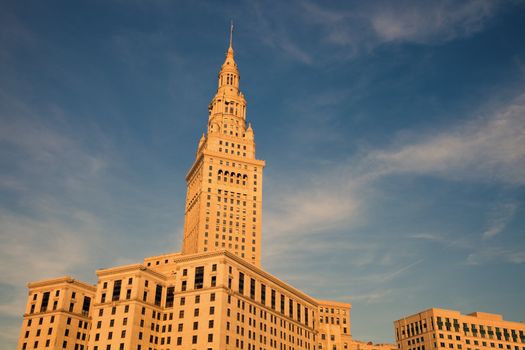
(486, 149)
(430, 21)
(274, 34)
(371, 297)
(496, 255)
(499, 218)
(425, 22)
(490, 148)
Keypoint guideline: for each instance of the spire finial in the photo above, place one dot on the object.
(231, 33)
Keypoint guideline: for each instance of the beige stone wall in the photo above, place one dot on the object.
(449, 329)
(61, 322)
(333, 325)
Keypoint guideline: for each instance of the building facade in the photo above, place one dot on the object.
(449, 329)
(57, 315)
(212, 295)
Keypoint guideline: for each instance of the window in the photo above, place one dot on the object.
(116, 290)
(241, 283)
(170, 296)
(45, 301)
(252, 288)
(85, 305)
(263, 294)
(158, 294)
(194, 339)
(199, 277)
(183, 286)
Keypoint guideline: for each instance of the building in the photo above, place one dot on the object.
(449, 329)
(57, 315)
(224, 194)
(212, 295)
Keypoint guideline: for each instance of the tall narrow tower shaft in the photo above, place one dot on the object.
(224, 186)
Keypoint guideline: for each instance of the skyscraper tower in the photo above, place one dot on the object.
(224, 185)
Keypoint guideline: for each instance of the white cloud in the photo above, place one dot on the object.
(45, 232)
(430, 22)
(490, 148)
(496, 254)
(274, 34)
(320, 207)
(372, 297)
(35, 248)
(423, 22)
(499, 218)
(486, 149)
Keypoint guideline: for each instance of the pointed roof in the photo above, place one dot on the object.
(229, 63)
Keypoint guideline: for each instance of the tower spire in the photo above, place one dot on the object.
(231, 34)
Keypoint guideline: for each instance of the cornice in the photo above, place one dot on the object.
(60, 281)
(130, 268)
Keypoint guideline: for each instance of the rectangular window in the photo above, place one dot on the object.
(241, 283)
(306, 317)
(199, 277)
(158, 294)
(263, 294)
(252, 288)
(183, 286)
(45, 302)
(85, 306)
(290, 308)
(273, 299)
(282, 304)
(116, 290)
(170, 296)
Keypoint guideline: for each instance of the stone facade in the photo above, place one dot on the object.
(449, 329)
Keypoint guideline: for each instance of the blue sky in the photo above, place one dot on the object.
(394, 135)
